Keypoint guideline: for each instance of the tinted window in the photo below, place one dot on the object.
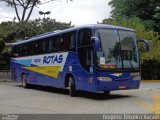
(73, 41)
(27, 49)
(68, 41)
(38, 47)
(32, 45)
(16, 51)
(64, 42)
(45, 46)
(84, 37)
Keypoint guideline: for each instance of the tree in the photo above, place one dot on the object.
(143, 9)
(4, 56)
(10, 32)
(27, 7)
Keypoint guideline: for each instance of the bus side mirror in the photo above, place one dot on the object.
(96, 43)
(145, 42)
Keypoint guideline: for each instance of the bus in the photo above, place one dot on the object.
(91, 58)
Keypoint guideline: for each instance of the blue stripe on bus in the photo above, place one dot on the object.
(24, 62)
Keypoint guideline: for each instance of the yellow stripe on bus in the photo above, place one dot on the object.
(52, 71)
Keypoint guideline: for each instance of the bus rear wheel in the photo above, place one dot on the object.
(24, 81)
(72, 89)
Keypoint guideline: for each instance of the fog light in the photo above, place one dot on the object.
(105, 79)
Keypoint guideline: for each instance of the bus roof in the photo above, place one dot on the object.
(93, 26)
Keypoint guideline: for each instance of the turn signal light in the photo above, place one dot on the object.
(108, 66)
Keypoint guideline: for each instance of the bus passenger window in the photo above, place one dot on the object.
(68, 42)
(52, 45)
(16, 51)
(45, 46)
(84, 37)
(65, 42)
(38, 47)
(58, 43)
(72, 41)
(27, 51)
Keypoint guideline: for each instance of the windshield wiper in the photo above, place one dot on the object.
(117, 53)
(130, 62)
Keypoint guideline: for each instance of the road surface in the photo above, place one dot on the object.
(44, 100)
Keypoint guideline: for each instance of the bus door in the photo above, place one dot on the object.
(85, 55)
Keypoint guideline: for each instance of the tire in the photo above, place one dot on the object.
(72, 89)
(24, 81)
(106, 92)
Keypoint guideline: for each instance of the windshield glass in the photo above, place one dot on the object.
(118, 49)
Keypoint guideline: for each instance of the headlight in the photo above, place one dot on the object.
(105, 79)
(135, 74)
(137, 78)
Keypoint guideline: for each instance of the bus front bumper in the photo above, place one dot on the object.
(118, 85)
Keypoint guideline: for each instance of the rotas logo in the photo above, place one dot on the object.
(52, 59)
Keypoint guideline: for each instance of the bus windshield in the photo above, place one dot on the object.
(118, 49)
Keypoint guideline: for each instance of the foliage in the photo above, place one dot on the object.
(2, 45)
(4, 60)
(147, 10)
(12, 31)
(151, 69)
(4, 56)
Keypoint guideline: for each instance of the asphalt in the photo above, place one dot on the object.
(47, 100)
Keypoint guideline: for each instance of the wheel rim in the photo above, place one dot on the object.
(70, 84)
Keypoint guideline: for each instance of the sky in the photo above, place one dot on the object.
(77, 12)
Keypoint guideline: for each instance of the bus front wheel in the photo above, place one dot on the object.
(24, 81)
(72, 89)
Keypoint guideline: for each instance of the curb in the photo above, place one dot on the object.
(149, 81)
(6, 80)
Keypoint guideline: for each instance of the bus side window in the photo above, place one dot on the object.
(33, 48)
(15, 52)
(52, 45)
(58, 43)
(72, 41)
(84, 37)
(38, 47)
(65, 42)
(68, 41)
(45, 46)
(25, 48)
